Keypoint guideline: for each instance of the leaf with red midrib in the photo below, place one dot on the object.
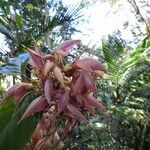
(75, 111)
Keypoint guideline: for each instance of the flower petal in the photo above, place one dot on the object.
(75, 111)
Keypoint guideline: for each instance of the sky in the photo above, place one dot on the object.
(103, 20)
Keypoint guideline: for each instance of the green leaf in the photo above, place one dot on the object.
(4, 3)
(24, 65)
(19, 20)
(15, 135)
(6, 111)
(30, 7)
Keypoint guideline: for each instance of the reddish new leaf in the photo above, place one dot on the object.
(47, 122)
(63, 48)
(48, 88)
(43, 123)
(21, 91)
(18, 91)
(10, 92)
(37, 105)
(59, 76)
(63, 101)
(37, 134)
(48, 65)
(79, 99)
(93, 102)
(78, 85)
(88, 106)
(75, 111)
(94, 64)
(57, 93)
(35, 59)
(69, 69)
(68, 114)
(61, 52)
(48, 57)
(89, 82)
(98, 73)
(82, 65)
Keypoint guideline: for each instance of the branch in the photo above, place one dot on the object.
(137, 10)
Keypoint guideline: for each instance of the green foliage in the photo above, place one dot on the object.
(125, 93)
(31, 23)
(1, 88)
(16, 134)
(6, 111)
